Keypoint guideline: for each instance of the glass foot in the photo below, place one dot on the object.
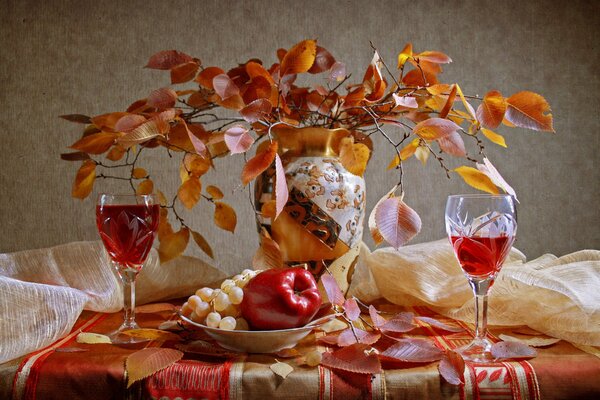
(118, 337)
(478, 351)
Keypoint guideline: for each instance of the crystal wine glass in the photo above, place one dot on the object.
(127, 225)
(481, 229)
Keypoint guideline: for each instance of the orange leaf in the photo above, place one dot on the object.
(238, 140)
(184, 72)
(259, 163)
(139, 173)
(78, 118)
(323, 61)
(156, 126)
(146, 362)
(255, 70)
(224, 86)
(435, 57)
(198, 144)
(168, 59)
(196, 165)
(259, 108)
(162, 98)
(268, 209)
(415, 78)
(107, 121)
(405, 153)
(477, 179)
(281, 187)
(449, 103)
(129, 122)
(145, 187)
(116, 153)
(173, 245)
(205, 78)
(202, 243)
(164, 226)
(354, 156)
(299, 58)
(84, 180)
(189, 192)
(491, 111)
(151, 334)
(268, 254)
(96, 143)
(225, 217)
(435, 128)
(214, 192)
(529, 110)
(397, 222)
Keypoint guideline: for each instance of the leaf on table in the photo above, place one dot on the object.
(75, 156)
(396, 222)
(96, 143)
(373, 229)
(146, 362)
(84, 180)
(412, 350)
(214, 192)
(173, 245)
(259, 163)
(476, 179)
(171, 325)
(155, 308)
(353, 359)
(281, 187)
(491, 172)
(184, 72)
(334, 325)
(189, 192)
(225, 217)
(300, 58)
(494, 137)
(152, 334)
(238, 140)
(439, 324)
(145, 187)
(331, 339)
(256, 110)
(268, 254)
(139, 173)
(203, 244)
(453, 144)
(281, 369)
(492, 109)
(332, 289)
(78, 118)
(70, 350)
(354, 156)
(162, 98)
(205, 78)
(512, 349)
(376, 318)
(92, 338)
(288, 353)
(533, 341)
(529, 110)
(435, 128)
(348, 337)
(525, 330)
(351, 309)
(224, 86)
(452, 368)
(205, 348)
(405, 101)
(168, 59)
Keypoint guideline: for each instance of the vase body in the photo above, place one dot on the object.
(323, 217)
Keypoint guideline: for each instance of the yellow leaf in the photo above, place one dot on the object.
(477, 179)
(184, 175)
(354, 156)
(189, 192)
(404, 55)
(162, 200)
(151, 334)
(282, 369)
(422, 154)
(468, 106)
(92, 338)
(299, 58)
(139, 173)
(96, 143)
(146, 362)
(214, 192)
(84, 180)
(145, 187)
(173, 245)
(405, 153)
(202, 243)
(493, 137)
(225, 217)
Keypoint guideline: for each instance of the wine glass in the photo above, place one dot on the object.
(127, 225)
(481, 229)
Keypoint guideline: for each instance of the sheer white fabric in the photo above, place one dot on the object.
(556, 296)
(43, 292)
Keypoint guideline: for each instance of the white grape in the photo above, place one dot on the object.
(205, 293)
(241, 325)
(202, 309)
(236, 278)
(194, 317)
(213, 319)
(236, 295)
(227, 285)
(186, 309)
(221, 302)
(227, 323)
(193, 301)
(232, 311)
(314, 358)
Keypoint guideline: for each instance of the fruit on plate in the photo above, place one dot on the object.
(280, 298)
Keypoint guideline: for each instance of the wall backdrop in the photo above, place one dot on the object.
(61, 57)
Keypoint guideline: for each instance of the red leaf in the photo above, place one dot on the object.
(333, 291)
(129, 122)
(351, 309)
(323, 61)
(397, 325)
(281, 187)
(167, 59)
(259, 108)
(162, 98)
(413, 350)
(259, 163)
(452, 368)
(505, 350)
(397, 222)
(377, 319)
(237, 139)
(78, 118)
(439, 324)
(352, 359)
(494, 376)
(453, 144)
(224, 86)
(346, 337)
(330, 339)
(481, 376)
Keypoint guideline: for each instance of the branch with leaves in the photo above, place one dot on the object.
(230, 112)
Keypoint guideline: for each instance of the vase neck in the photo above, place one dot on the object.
(310, 141)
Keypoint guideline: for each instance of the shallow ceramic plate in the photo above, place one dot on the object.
(259, 341)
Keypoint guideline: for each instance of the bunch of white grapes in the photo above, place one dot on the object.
(220, 308)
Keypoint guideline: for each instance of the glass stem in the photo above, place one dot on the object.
(128, 277)
(480, 291)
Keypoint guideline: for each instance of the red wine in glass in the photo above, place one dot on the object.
(127, 225)
(481, 229)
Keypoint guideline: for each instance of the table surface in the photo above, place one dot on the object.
(71, 370)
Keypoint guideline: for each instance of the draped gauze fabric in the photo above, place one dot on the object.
(559, 296)
(43, 292)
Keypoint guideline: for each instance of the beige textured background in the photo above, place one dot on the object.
(59, 57)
